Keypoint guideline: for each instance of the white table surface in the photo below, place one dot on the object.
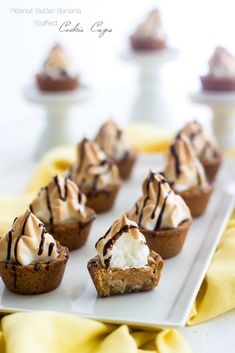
(214, 336)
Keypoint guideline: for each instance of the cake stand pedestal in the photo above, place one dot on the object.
(57, 106)
(151, 103)
(222, 106)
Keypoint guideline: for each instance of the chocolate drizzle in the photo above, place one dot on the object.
(111, 242)
(150, 179)
(82, 154)
(63, 198)
(176, 160)
(41, 245)
(50, 249)
(159, 220)
(22, 233)
(49, 205)
(9, 245)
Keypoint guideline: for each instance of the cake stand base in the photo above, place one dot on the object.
(151, 103)
(57, 106)
(222, 106)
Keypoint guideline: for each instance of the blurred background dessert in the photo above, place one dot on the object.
(149, 35)
(56, 74)
(221, 74)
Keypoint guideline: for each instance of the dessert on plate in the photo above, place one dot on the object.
(56, 74)
(31, 262)
(206, 148)
(114, 142)
(187, 176)
(149, 35)
(61, 206)
(221, 74)
(96, 175)
(124, 263)
(162, 216)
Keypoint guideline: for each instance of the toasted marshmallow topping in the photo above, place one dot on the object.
(56, 64)
(113, 141)
(28, 242)
(93, 170)
(59, 201)
(183, 167)
(222, 64)
(205, 146)
(151, 27)
(159, 207)
(123, 246)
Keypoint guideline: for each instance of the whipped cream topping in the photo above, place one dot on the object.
(222, 63)
(113, 141)
(59, 201)
(56, 64)
(123, 246)
(151, 27)
(94, 170)
(28, 242)
(183, 168)
(159, 207)
(205, 145)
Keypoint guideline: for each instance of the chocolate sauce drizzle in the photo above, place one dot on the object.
(41, 245)
(176, 160)
(150, 179)
(22, 233)
(105, 162)
(111, 242)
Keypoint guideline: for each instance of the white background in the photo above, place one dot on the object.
(195, 27)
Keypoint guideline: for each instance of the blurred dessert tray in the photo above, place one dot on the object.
(167, 305)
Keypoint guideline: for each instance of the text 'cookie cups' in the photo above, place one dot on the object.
(187, 176)
(55, 75)
(96, 175)
(61, 206)
(124, 263)
(31, 262)
(149, 35)
(162, 216)
(114, 142)
(221, 75)
(206, 148)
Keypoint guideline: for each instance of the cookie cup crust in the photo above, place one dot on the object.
(73, 234)
(167, 242)
(47, 84)
(114, 281)
(126, 165)
(211, 167)
(102, 200)
(35, 278)
(197, 199)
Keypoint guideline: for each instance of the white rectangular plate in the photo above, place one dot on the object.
(167, 305)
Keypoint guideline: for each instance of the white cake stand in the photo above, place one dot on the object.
(223, 109)
(151, 103)
(57, 106)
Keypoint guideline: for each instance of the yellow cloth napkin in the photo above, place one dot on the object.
(217, 293)
(147, 138)
(45, 332)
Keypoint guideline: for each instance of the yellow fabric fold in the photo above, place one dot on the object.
(147, 138)
(217, 293)
(56, 161)
(45, 332)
